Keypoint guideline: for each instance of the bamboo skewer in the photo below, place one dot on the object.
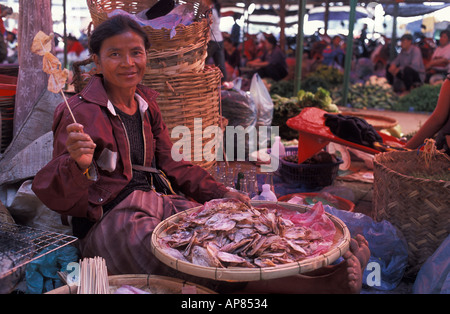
(42, 40)
(67, 104)
(93, 276)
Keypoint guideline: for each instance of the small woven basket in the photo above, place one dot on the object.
(310, 176)
(185, 97)
(418, 207)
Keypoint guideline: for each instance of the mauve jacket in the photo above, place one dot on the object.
(62, 186)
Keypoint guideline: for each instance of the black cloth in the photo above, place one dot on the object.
(353, 129)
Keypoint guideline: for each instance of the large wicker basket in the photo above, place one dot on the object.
(184, 52)
(159, 38)
(185, 97)
(418, 207)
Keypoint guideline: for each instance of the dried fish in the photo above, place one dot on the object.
(228, 233)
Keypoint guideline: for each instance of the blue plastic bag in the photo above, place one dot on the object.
(434, 275)
(388, 248)
(42, 274)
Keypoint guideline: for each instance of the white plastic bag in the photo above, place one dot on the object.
(263, 101)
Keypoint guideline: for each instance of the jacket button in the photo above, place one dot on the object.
(100, 199)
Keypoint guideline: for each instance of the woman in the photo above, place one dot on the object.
(333, 54)
(91, 178)
(119, 125)
(232, 59)
(438, 122)
(273, 62)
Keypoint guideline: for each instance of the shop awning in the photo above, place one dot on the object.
(412, 9)
(341, 13)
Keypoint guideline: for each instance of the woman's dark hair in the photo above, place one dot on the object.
(272, 40)
(113, 26)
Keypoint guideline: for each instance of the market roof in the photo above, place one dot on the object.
(231, 3)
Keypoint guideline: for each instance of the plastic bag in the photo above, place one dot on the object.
(434, 275)
(180, 15)
(263, 101)
(388, 248)
(240, 110)
(42, 274)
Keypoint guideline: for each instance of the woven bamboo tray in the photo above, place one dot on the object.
(378, 122)
(188, 96)
(418, 207)
(339, 247)
(149, 283)
(159, 38)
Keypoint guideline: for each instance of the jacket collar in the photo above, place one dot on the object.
(95, 92)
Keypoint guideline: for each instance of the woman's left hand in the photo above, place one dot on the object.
(239, 196)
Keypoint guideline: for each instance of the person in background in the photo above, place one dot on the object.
(4, 12)
(407, 69)
(272, 64)
(236, 31)
(74, 46)
(333, 54)
(215, 49)
(438, 122)
(232, 59)
(440, 60)
(11, 41)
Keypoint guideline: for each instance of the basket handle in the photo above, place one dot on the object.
(77, 80)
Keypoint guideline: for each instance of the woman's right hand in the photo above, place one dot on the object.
(80, 146)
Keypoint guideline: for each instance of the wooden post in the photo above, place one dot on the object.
(299, 48)
(327, 16)
(282, 25)
(393, 52)
(349, 51)
(34, 16)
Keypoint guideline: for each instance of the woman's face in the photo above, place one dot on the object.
(443, 40)
(122, 60)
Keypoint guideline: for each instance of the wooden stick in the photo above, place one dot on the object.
(67, 104)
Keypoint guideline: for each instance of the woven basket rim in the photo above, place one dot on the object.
(144, 280)
(384, 122)
(340, 246)
(93, 6)
(377, 162)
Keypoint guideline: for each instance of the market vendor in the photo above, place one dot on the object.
(407, 69)
(438, 123)
(91, 176)
(119, 125)
(272, 64)
(439, 65)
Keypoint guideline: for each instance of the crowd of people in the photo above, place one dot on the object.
(263, 54)
(76, 47)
